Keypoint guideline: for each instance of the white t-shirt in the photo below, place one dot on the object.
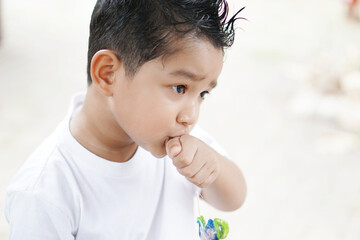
(65, 192)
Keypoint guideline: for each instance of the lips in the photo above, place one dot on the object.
(168, 139)
(177, 136)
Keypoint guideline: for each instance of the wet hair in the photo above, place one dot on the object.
(141, 30)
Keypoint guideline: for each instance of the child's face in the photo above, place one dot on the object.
(162, 100)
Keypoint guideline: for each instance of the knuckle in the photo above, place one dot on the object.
(204, 184)
(185, 172)
(209, 167)
(197, 182)
(185, 161)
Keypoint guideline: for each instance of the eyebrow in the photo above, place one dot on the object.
(192, 77)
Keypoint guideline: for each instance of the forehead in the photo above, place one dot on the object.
(194, 58)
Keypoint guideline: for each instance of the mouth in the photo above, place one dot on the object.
(167, 140)
(170, 137)
(159, 153)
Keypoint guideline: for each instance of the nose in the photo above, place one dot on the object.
(189, 114)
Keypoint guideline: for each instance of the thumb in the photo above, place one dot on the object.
(173, 147)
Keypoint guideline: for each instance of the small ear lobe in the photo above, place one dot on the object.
(104, 65)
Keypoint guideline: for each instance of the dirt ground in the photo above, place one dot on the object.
(286, 108)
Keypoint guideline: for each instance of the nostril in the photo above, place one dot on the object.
(188, 116)
(183, 120)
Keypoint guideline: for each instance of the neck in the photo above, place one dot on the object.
(95, 128)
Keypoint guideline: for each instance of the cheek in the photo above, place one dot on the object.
(157, 112)
(146, 115)
(145, 120)
(156, 122)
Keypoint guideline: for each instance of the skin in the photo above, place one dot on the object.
(156, 109)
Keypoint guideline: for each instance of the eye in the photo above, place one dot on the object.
(180, 89)
(202, 94)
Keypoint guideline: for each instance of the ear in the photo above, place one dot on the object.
(104, 65)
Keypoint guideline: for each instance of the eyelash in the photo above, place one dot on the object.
(180, 89)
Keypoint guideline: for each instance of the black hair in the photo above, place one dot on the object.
(141, 30)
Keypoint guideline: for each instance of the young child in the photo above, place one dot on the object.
(127, 160)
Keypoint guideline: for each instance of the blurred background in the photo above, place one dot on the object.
(287, 107)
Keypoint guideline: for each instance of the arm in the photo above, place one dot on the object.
(228, 191)
(222, 182)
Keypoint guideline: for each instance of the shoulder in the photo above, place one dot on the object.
(33, 168)
(45, 177)
(46, 162)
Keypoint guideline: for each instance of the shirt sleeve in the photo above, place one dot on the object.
(34, 218)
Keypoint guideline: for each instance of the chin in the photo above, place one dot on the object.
(157, 150)
(158, 155)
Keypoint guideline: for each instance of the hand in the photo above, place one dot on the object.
(194, 159)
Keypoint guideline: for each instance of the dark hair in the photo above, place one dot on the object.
(142, 30)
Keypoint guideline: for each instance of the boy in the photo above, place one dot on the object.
(123, 164)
